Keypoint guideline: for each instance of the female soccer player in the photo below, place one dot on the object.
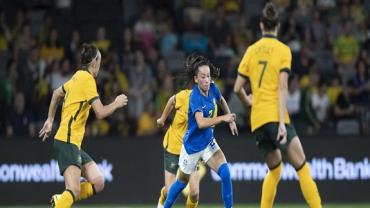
(267, 64)
(199, 142)
(79, 94)
(172, 143)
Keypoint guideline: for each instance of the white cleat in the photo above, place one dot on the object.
(160, 205)
(54, 198)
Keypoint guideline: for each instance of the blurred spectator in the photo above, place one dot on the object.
(19, 121)
(242, 35)
(307, 121)
(46, 27)
(74, 46)
(128, 47)
(344, 106)
(19, 23)
(165, 91)
(168, 41)
(101, 40)
(30, 68)
(25, 41)
(140, 79)
(147, 124)
(219, 31)
(52, 49)
(59, 74)
(334, 89)
(144, 29)
(361, 82)
(346, 49)
(193, 40)
(294, 97)
(321, 103)
(5, 36)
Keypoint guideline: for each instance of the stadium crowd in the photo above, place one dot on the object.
(329, 39)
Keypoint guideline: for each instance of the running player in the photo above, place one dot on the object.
(267, 64)
(79, 94)
(199, 142)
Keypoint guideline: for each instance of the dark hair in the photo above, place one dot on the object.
(88, 53)
(192, 64)
(270, 17)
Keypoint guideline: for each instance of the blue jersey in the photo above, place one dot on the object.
(195, 139)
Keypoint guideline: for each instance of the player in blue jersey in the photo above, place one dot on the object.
(199, 142)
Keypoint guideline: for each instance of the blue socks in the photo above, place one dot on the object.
(174, 192)
(227, 188)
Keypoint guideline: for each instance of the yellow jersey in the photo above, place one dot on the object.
(262, 63)
(173, 138)
(172, 141)
(80, 91)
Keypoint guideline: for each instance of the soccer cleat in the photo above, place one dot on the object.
(160, 205)
(54, 198)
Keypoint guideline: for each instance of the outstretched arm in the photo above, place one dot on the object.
(58, 94)
(204, 122)
(102, 111)
(226, 110)
(166, 112)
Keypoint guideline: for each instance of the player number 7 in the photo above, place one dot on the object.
(264, 63)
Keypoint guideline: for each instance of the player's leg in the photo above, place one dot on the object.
(188, 164)
(297, 158)
(271, 181)
(193, 196)
(266, 142)
(72, 182)
(216, 160)
(169, 178)
(171, 165)
(94, 180)
(69, 161)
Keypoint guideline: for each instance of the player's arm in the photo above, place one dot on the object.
(102, 111)
(226, 110)
(58, 94)
(167, 111)
(283, 94)
(204, 122)
(240, 91)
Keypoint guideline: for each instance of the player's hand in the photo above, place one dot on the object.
(233, 128)
(228, 118)
(282, 135)
(121, 100)
(46, 129)
(160, 122)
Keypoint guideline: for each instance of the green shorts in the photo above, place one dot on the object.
(266, 140)
(171, 162)
(68, 154)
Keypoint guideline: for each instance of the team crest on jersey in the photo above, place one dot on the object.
(79, 159)
(185, 162)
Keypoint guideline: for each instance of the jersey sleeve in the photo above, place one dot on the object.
(90, 90)
(286, 61)
(179, 99)
(243, 69)
(65, 86)
(195, 104)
